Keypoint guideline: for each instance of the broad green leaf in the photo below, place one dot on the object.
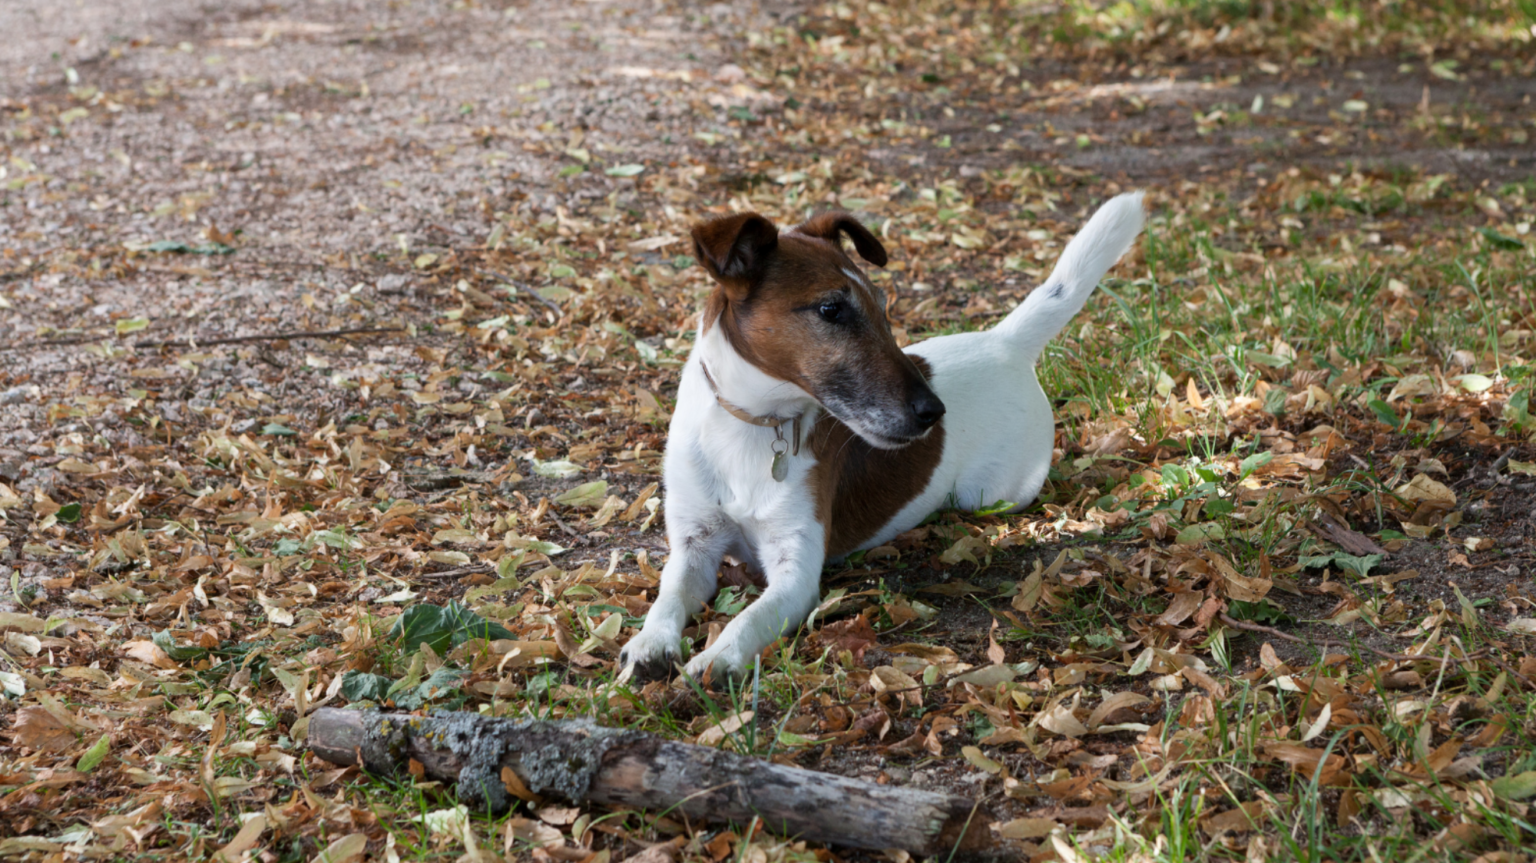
(362, 686)
(179, 653)
(1499, 241)
(1253, 463)
(443, 628)
(625, 170)
(586, 494)
(1360, 566)
(1517, 787)
(93, 756)
(507, 566)
(443, 683)
(1385, 413)
(1196, 534)
(558, 469)
(1473, 383)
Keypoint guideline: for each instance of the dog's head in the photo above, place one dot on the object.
(797, 307)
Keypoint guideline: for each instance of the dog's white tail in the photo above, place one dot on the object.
(1095, 249)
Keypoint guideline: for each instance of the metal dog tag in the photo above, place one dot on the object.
(780, 467)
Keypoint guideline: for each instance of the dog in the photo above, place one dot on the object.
(802, 432)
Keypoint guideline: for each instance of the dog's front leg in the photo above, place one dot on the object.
(687, 582)
(792, 560)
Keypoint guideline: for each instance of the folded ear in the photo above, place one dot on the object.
(829, 225)
(734, 250)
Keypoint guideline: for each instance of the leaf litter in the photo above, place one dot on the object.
(1276, 592)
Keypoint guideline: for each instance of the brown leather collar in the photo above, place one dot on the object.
(775, 423)
(733, 410)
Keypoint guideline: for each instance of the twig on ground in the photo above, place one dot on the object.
(1511, 672)
(53, 343)
(1286, 636)
(456, 572)
(191, 342)
(523, 289)
(1500, 462)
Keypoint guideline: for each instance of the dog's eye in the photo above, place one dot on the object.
(830, 312)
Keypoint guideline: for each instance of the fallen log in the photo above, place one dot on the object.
(584, 762)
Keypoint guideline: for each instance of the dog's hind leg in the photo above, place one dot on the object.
(687, 582)
(792, 560)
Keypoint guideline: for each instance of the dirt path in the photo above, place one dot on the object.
(315, 135)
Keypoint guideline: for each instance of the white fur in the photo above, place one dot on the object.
(721, 499)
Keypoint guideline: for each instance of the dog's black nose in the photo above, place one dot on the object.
(927, 408)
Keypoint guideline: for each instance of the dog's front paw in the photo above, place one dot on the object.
(649, 656)
(719, 665)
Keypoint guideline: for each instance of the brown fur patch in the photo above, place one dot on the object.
(860, 488)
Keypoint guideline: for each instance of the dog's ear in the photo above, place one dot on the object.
(734, 249)
(828, 226)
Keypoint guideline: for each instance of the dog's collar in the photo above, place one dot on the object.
(778, 468)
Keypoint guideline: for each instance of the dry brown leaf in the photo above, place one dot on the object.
(37, 728)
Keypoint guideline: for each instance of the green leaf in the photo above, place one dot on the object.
(130, 325)
(1262, 359)
(539, 684)
(557, 469)
(1473, 383)
(683, 262)
(336, 539)
(1274, 402)
(1262, 611)
(1360, 566)
(1385, 413)
(69, 513)
(506, 568)
(548, 549)
(165, 642)
(1516, 787)
(443, 682)
(362, 686)
(562, 271)
(586, 494)
(278, 429)
(1175, 476)
(444, 628)
(1196, 534)
(94, 756)
(571, 170)
(1253, 463)
(1216, 507)
(789, 738)
(625, 170)
(1499, 241)
(183, 248)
